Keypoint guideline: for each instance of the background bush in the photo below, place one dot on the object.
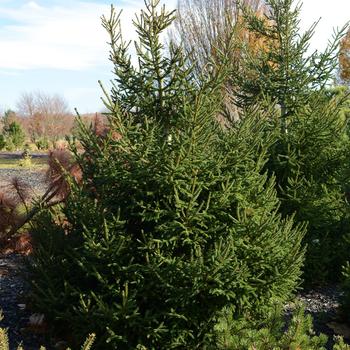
(15, 135)
(42, 144)
(2, 142)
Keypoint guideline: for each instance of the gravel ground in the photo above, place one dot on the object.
(13, 288)
(322, 304)
(13, 291)
(35, 178)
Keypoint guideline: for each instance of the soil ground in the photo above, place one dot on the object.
(33, 176)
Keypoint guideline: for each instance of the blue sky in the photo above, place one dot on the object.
(59, 46)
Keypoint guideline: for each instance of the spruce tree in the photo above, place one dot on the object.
(311, 149)
(284, 70)
(174, 218)
(15, 134)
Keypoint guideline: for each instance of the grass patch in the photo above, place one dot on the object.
(14, 163)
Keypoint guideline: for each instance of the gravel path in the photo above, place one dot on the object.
(35, 178)
(13, 291)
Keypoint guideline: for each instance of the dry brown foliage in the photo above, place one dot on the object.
(16, 193)
(8, 213)
(61, 165)
(20, 244)
(20, 189)
(344, 59)
(12, 196)
(100, 126)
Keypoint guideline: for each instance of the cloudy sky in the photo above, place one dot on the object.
(59, 46)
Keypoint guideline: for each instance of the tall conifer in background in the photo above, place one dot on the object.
(285, 71)
(312, 147)
(174, 219)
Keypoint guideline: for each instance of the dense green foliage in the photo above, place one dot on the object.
(282, 70)
(15, 135)
(274, 333)
(2, 142)
(175, 219)
(11, 131)
(231, 334)
(183, 231)
(310, 164)
(42, 143)
(311, 153)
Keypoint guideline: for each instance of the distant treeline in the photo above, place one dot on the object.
(39, 121)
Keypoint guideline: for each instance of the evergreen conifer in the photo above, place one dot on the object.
(174, 218)
(312, 145)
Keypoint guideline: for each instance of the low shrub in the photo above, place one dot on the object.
(42, 144)
(10, 146)
(4, 342)
(30, 147)
(15, 135)
(26, 160)
(60, 144)
(274, 333)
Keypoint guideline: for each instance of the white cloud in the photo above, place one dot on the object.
(36, 35)
(57, 37)
(51, 37)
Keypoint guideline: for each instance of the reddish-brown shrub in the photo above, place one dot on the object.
(61, 165)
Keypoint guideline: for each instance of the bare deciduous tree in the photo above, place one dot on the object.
(205, 26)
(39, 102)
(46, 115)
(26, 105)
